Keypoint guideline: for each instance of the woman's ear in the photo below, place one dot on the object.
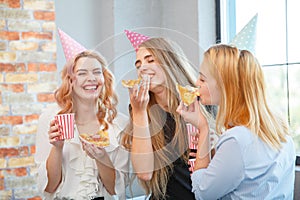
(70, 81)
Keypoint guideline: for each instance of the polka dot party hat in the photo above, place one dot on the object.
(70, 46)
(136, 39)
(246, 38)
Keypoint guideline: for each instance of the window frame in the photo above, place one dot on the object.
(225, 33)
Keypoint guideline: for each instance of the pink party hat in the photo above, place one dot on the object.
(136, 39)
(70, 46)
(246, 38)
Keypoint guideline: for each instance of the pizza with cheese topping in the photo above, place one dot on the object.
(187, 94)
(101, 138)
(131, 83)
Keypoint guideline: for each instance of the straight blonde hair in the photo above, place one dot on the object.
(243, 100)
(177, 70)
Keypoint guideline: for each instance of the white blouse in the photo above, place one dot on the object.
(79, 172)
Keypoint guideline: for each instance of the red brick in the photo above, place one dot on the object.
(20, 171)
(11, 152)
(36, 35)
(1, 173)
(30, 118)
(35, 198)
(23, 151)
(14, 3)
(45, 97)
(32, 150)
(44, 15)
(11, 3)
(39, 67)
(8, 152)
(6, 35)
(51, 67)
(8, 67)
(12, 87)
(1, 184)
(33, 67)
(11, 120)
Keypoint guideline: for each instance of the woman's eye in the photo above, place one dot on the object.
(150, 61)
(201, 79)
(138, 67)
(98, 72)
(81, 74)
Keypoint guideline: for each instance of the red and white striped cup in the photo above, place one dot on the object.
(66, 122)
(191, 164)
(192, 130)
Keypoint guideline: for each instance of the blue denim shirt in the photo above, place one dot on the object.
(245, 167)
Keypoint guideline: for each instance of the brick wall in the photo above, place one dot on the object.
(27, 79)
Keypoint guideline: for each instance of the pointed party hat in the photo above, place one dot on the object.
(70, 46)
(246, 38)
(136, 39)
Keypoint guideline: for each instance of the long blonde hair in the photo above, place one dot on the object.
(177, 70)
(243, 100)
(107, 99)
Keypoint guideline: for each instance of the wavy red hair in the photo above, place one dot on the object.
(107, 100)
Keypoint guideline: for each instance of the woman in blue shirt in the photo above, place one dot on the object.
(255, 156)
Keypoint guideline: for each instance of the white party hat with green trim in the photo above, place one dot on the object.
(246, 38)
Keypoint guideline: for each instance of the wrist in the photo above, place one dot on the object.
(136, 112)
(101, 157)
(57, 148)
(203, 127)
(140, 118)
(203, 148)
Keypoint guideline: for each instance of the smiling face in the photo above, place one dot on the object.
(146, 64)
(208, 88)
(88, 80)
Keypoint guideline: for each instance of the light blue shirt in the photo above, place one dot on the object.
(245, 167)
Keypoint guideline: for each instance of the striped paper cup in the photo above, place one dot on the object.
(66, 122)
(191, 164)
(192, 130)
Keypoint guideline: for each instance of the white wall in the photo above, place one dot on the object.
(100, 24)
(206, 25)
(84, 21)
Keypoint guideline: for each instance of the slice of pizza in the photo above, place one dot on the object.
(187, 94)
(131, 83)
(101, 138)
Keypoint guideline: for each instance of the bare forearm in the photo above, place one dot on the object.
(107, 174)
(142, 159)
(142, 152)
(203, 149)
(54, 169)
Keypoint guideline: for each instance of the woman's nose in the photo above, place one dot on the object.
(91, 77)
(142, 67)
(197, 83)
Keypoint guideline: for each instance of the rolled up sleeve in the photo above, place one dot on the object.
(224, 173)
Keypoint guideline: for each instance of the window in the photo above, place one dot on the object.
(277, 49)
